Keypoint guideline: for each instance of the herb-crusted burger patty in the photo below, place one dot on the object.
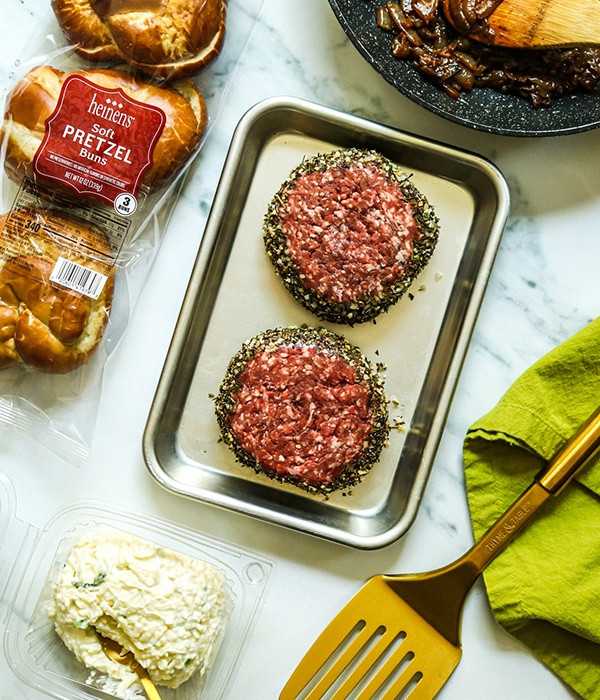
(348, 232)
(303, 405)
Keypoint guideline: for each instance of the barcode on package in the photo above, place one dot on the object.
(78, 277)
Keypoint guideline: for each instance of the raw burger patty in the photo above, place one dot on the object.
(303, 406)
(348, 233)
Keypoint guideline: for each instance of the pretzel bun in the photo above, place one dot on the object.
(43, 325)
(36, 95)
(162, 38)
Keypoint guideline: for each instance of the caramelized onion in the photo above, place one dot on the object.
(426, 9)
(456, 63)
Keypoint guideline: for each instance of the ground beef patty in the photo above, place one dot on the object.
(348, 233)
(303, 406)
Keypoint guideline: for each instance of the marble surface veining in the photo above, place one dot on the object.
(543, 288)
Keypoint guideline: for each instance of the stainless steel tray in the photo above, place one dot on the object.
(234, 294)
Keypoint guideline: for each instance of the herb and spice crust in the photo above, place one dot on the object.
(305, 407)
(348, 233)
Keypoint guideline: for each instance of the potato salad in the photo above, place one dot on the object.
(168, 608)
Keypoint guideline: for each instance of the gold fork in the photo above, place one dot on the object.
(116, 653)
(401, 634)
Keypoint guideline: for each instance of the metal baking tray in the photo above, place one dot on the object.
(234, 294)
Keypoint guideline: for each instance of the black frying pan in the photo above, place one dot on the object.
(483, 109)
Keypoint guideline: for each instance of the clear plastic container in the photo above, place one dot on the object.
(7, 516)
(30, 559)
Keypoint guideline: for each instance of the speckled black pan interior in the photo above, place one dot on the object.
(482, 109)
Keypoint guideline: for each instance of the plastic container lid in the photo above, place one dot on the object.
(30, 558)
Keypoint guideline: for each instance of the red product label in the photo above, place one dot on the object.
(99, 142)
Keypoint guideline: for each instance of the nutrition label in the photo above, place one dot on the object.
(33, 194)
(81, 242)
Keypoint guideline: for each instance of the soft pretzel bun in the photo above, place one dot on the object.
(43, 325)
(36, 95)
(163, 38)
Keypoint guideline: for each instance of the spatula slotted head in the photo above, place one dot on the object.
(376, 648)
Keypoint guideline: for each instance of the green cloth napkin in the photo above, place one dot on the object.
(544, 588)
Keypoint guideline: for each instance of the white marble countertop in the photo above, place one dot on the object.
(543, 288)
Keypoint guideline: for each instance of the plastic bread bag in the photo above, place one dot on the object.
(165, 39)
(94, 156)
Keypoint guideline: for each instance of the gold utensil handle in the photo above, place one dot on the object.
(116, 653)
(572, 456)
(549, 482)
(147, 684)
(149, 687)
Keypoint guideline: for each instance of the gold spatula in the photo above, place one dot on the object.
(116, 653)
(399, 636)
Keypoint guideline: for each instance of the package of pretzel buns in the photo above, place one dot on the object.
(104, 115)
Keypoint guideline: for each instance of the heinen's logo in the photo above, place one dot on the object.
(111, 110)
